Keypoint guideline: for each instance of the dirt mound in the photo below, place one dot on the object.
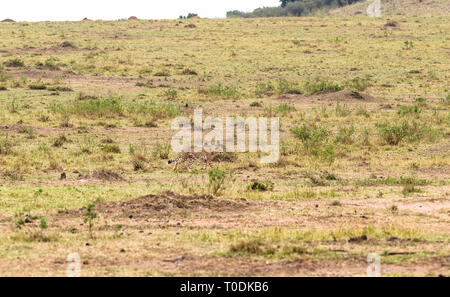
(344, 96)
(190, 26)
(8, 21)
(105, 175)
(86, 20)
(132, 18)
(391, 24)
(67, 44)
(164, 204)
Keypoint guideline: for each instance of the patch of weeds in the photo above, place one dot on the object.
(148, 84)
(342, 110)
(60, 89)
(188, 71)
(171, 94)
(284, 109)
(138, 157)
(37, 86)
(255, 104)
(29, 131)
(162, 73)
(409, 110)
(410, 189)
(261, 186)
(336, 203)
(408, 45)
(264, 89)
(345, 135)
(321, 86)
(13, 107)
(161, 151)
(155, 110)
(287, 87)
(60, 141)
(89, 217)
(221, 91)
(6, 145)
(395, 133)
(394, 209)
(362, 111)
(87, 145)
(111, 148)
(358, 84)
(253, 247)
(312, 136)
(100, 108)
(49, 64)
(14, 63)
(218, 179)
(83, 96)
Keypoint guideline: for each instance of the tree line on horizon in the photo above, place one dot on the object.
(292, 8)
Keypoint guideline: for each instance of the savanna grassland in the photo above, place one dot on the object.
(364, 108)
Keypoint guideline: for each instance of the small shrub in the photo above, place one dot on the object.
(60, 141)
(161, 151)
(409, 110)
(342, 110)
(410, 189)
(345, 135)
(336, 203)
(189, 71)
(148, 84)
(162, 73)
(314, 87)
(217, 180)
(111, 148)
(284, 109)
(264, 89)
(287, 87)
(37, 86)
(221, 91)
(89, 216)
(14, 63)
(43, 223)
(261, 186)
(358, 84)
(255, 104)
(49, 64)
(311, 135)
(171, 94)
(395, 133)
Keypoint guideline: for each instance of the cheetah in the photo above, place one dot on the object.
(190, 158)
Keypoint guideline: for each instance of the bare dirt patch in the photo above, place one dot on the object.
(165, 203)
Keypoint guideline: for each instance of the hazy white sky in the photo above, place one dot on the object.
(61, 10)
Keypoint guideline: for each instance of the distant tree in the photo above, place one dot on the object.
(285, 2)
(192, 15)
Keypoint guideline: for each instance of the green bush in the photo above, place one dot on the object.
(37, 86)
(358, 84)
(111, 148)
(318, 86)
(311, 135)
(261, 186)
(345, 135)
(409, 110)
(218, 179)
(221, 91)
(407, 131)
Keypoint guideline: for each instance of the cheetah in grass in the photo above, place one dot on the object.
(190, 158)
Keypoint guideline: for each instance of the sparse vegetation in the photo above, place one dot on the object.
(87, 118)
